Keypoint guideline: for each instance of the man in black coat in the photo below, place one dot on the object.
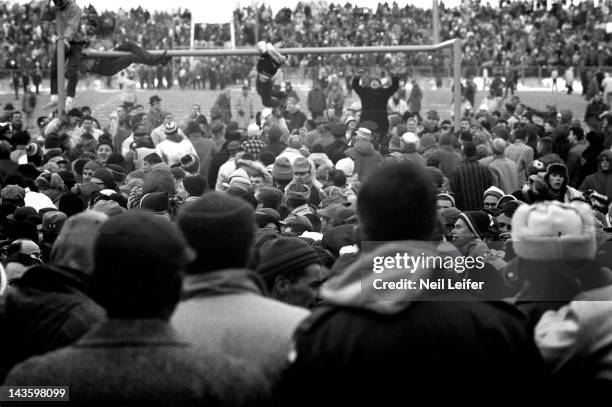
(374, 100)
(372, 345)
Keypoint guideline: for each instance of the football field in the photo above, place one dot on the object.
(179, 101)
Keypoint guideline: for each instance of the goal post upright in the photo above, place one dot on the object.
(455, 44)
(60, 48)
(457, 84)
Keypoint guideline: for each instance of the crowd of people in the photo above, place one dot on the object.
(516, 38)
(169, 260)
(150, 258)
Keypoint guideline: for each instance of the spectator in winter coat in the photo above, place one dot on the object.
(242, 323)
(601, 181)
(50, 306)
(244, 108)
(374, 100)
(316, 101)
(447, 157)
(366, 158)
(470, 180)
(504, 169)
(174, 147)
(148, 254)
(520, 153)
(362, 323)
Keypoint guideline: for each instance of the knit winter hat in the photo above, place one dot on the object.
(282, 169)
(508, 208)
(297, 190)
(478, 222)
(445, 140)
(156, 202)
(494, 191)
(239, 182)
(108, 207)
(284, 256)
(427, 140)
(117, 171)
(170, 128)
(106, 176)
(294, 141)
(195, 185)
(449, 216)
(301, 164)
(220, 228)
(91, 165)
(446, 197)
(554, 231)
(504, 199)
(364, 134)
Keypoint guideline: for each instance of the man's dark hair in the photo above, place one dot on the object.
(21, 138)
(520, 134)
(466, 136)
(578, 132)
(337, 177)
(390, 208)
(153, 159)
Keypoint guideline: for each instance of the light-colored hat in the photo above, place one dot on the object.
(411, 138)
(170, 127)
(364, 134)
(252, 130)
(554, 231)
(346, 165)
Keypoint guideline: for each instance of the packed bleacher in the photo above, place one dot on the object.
(513, 33)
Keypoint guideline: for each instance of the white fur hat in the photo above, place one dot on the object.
(411, 138)
(554, 231)
(346, 165)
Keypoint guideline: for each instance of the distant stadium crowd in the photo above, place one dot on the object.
(512, 34)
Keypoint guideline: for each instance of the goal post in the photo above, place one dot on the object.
(454, 44)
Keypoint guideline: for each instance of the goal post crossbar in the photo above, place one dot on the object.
(285, 51)
(454, 43)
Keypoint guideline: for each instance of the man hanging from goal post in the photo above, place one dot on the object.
(78, 57)
(269, 62)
